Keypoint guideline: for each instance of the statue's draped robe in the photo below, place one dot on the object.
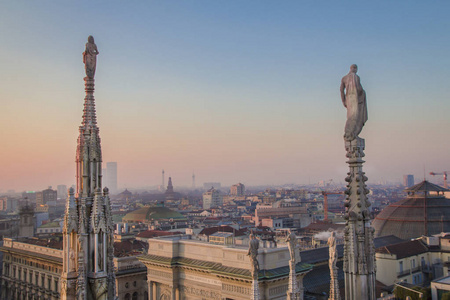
(90, 59)
(355, 100)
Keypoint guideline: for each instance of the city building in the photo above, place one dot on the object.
(403, 261)
(179, 267)
(9, 226)
(293, 215)
(212, 199)
(237, 189)
(27, 221)
(111, 177)
(61, 191)
(415, 262)
(33, 269)
(45, 196)
(408, 180)
(425, 211)
(48, 229)
(8, 204)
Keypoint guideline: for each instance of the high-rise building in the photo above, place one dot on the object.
(408, 180)
(88, 268)
(111, 177)
(45, 196)
(61, 191)
(212, 199)
(237, 189)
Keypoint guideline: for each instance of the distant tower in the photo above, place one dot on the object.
(193, 181)
(162, 179)
(170, 194)
(26, 223)
(111, 176)
(408, 180)
(88, 267)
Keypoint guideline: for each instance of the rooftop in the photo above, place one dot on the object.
(404, 249)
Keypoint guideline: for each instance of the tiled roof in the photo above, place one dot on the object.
(321, 254)
(129, 248)
(404, 249)
(155, 233)
(50, 243)
(426, 186)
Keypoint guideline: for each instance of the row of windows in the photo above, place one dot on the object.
(35, 264)
(22, 275)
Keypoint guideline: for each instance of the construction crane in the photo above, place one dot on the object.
(445, 177)
(325, 202)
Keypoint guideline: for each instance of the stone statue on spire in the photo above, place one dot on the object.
(354, 99)
(291, 240)
(253, 254)
(90, 57)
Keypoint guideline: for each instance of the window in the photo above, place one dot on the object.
(413, 263)
(56, 285)
(401, 266)
(49, 283)
(135, 296)
(127, 297)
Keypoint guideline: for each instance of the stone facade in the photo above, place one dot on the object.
(34, 272)
(181, 268)
(30, 271)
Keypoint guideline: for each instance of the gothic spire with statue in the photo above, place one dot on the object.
(88, 268)
(359, 250)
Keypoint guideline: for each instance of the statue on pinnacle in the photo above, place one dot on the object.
(354, 99)
(359, 252)
(90, 57)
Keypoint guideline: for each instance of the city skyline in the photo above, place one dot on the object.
(242, 92)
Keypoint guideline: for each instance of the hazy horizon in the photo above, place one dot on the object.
(232, 91)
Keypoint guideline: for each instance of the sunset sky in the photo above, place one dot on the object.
(236, 91)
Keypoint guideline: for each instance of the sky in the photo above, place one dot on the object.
(234, 91)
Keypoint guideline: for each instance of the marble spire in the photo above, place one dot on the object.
(88, 269)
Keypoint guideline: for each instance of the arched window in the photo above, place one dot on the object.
(135, 296)
(127, 296)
